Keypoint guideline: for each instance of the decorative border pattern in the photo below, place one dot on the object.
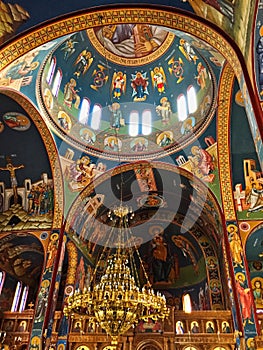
(223, 142)
(120, 15)
(51, 151)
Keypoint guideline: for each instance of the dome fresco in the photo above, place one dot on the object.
(123, 89)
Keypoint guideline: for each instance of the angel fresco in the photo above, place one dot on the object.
(69, 48)
(158, 79)
(118, 84)
(176, 69)
(188, 51)
(100, 78)
(83, 62)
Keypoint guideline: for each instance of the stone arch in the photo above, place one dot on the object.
(149, 345)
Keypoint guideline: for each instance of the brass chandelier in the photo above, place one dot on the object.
(120, 298)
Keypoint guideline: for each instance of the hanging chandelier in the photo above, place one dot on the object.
(121, 297)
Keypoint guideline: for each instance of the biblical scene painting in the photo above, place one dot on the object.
(21, 74)
(26, 185)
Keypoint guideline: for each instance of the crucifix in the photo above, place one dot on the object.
(12, 170)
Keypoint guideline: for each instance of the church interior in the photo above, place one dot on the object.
(137, 223)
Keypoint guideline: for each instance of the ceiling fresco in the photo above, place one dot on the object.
(22, 256)
(26, 180)
(116, 101)
(178, 212)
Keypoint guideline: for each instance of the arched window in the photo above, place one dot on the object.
(96, 117)
(16, 297)
(191, 99)
(51, 70)
(134, 123)
(146, 122)
(2, 280)
(84, 111)
(56, 83)
(23, 299)
(187, 305)
(181, 107)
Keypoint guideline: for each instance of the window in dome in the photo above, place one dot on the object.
(181, 107)
(23, 299)
(96, 117)
(57, 82)
(146, 122)
(16, 297)
(191, 99)
(134, 123)
(51, 70)
(187, 305)
(84, 111)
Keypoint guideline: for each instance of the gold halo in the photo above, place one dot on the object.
(154, 228)
(63, 114)
(34, 65)
(116, 104)
(45, 284)
(186, 122)
(255, 279)
(231, 225)
(34, 339)
(193, 149)
(111, 138)
(249, 341)
(163, 99)
(240, 274)
(167, 133)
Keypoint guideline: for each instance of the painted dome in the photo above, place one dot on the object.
(123, 90)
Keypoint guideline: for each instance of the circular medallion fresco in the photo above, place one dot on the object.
(127, 91)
